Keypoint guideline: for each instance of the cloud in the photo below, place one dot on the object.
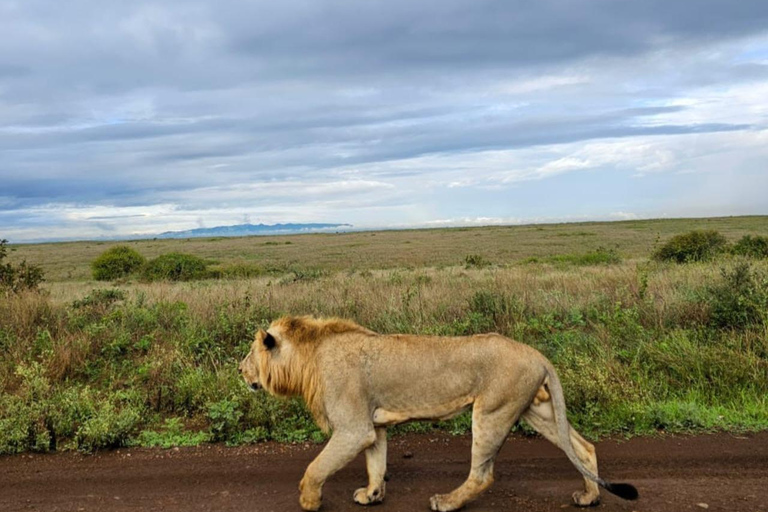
(381, 112)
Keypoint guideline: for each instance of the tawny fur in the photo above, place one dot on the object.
(356, 382)
(298, 375)
(306, 329)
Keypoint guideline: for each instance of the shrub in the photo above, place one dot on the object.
(740, 299)
(225, 419)
(691, 246)
(175, 267)
(100, 297)
(15, 278)
(752, 246)
(22, 416)
(116, 262)
(476, 261)
(110, 427)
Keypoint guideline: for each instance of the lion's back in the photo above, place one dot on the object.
(401, 370)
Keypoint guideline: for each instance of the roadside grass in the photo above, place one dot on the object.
(641, 346)
(637, 347)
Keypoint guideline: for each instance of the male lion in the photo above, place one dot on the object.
(357, 382)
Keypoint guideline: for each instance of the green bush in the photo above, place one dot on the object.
(110, 427)
(15, 278)
(740, 299)
(692, 246)
(42, 417)
(751, 246)
(225, 419)
(23, 424)
(100, 297)
(23, 430)
(475, 261)
(115, 263)
(175, 266)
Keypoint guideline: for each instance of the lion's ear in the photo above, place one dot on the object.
(269, 341)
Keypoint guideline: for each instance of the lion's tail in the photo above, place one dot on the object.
(626, 491)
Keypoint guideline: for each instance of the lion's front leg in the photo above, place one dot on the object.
(340, 450)
(376, 463)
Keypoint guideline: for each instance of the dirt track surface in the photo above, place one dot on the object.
(725, 472)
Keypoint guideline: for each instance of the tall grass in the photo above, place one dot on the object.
(640, 347)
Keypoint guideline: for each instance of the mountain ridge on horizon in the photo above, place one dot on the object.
(254, 229)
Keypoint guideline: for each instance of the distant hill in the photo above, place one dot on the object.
(253, 229)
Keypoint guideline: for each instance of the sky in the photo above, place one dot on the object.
(120, 119)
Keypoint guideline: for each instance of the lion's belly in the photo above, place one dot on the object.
(445, 411)
(438, 385)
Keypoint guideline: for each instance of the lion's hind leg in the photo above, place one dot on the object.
(376, 463)
(489, 431)
(540, 416)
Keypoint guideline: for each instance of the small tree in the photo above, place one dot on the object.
(692, 246)
(14, 278)
(116, 262)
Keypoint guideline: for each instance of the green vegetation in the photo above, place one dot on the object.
(640, 345)
(172, 433)
(237, 271)
(16, 278)
(740, 299)
(175, 266)
(692, 246)
(600, 256)
(116, 262)
(752, 246)
(475, 261)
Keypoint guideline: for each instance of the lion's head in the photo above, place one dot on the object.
(250, 366)
(282, 358)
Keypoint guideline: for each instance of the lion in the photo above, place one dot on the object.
(356, 383)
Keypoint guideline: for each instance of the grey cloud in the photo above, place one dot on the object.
(323, 36)
(200, 45)
(139, 103)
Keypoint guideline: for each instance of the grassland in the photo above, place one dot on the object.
(641, 346)
(342, 252)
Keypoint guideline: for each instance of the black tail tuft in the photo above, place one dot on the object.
(626, 491)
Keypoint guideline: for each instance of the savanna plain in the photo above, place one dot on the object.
(648, 344)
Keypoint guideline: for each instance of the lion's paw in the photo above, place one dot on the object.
(585, 499)
(308, 502)
(311, 497)
(442, 503)
(363, 497)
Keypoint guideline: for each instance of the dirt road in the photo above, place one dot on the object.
(673, 474)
